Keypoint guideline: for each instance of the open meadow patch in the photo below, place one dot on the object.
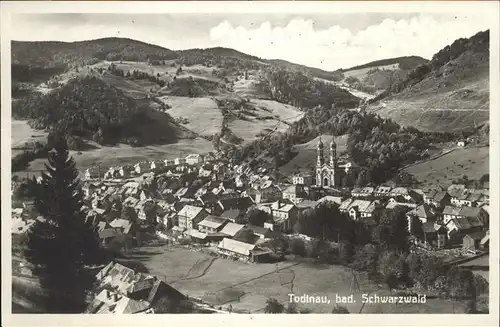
(200, 115)
(22, 134)
(471, 161)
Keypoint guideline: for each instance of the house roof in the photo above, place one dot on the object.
(439, 196)
(212, 222)
(422, 211)
(259, 230)
(281, 206)
(452, 211)
(121, 223)
(383, 189)
(307, 204)
(328, 198)
(196, 234)
(466, 223)
(109, 232)
(190, 211)
(236, 246)
(294, 189)
(231, 229)
(477, 236)
(360, 205)
(470, 212)
(231, 214)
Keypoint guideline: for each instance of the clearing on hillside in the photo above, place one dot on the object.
(121, 154)
(200, 115)
(263, 117)
(23, 134)
(305, 160)
(472, 161)
(363, 72)
(443, 111)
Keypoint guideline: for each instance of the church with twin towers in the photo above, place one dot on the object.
(328, 173)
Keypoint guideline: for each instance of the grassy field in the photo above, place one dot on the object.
(22, 133)
(123, 154)
(285, 112)
(203, 116)
(361, 73)
(307, 152)
(246, 287)
(471, 161)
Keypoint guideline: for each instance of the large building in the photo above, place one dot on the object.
(328, 174)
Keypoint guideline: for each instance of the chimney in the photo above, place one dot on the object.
(115, 297)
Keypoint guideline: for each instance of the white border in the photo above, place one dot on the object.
(489, 10)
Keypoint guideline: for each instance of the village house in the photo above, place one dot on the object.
(212, 224)
(406, 193)
(304, 179)
(169, 162)
(109, 302)
(156, 165)
(284, 215)
(362, 192)
(190, 216)
(112, 173)
(328, 198)
(179, 161)
(424, 213)
(261, 232)
(231, 229)
(194, 159)
(450, 213)
(240, 203)
(437, 199)
(382, 191)
(399, 201)
(142, 167)
(458, 227)
(233, 215)
(125, 171)
(472, 241)
(469, 198)
(433, 234)
(92, 173)
(269, 194)
(294, 193)
(360, 208)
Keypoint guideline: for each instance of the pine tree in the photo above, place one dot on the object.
(60, 245)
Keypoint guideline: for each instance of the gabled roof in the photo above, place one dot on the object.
(422, 211)
(231, 229)
(476, 236)
(466, 223)
(236, 246)
(212, 222)
(362, 205)
(259, 230)
(383, 189)
(450, 210)
(231, 214)
(282, 206)
(190, 211)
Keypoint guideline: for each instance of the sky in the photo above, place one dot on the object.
(326, 41)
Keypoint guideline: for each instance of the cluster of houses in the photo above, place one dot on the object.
(207, 199)
(122, 290)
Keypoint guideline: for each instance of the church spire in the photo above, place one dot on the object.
(333, 152)
(320, 159)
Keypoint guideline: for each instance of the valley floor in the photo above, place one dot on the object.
(246, 287)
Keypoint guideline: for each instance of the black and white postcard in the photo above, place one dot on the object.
(250, 160)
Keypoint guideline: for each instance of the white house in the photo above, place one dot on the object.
(194, 159)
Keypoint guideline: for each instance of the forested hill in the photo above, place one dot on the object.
(405, 63)
(89, 108)
(463, 59)
(64, 55)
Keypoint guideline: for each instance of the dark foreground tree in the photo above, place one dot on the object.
(273, 306)
(60, 246)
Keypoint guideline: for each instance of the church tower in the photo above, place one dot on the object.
(321, 154)
(333, 154)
